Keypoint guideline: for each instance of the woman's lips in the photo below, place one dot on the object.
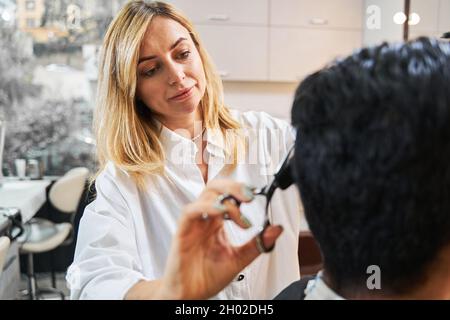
(183, 95)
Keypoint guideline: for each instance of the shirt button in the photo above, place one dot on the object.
(241, 277)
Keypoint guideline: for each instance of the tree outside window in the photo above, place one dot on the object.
(31, 23)
(48, 83)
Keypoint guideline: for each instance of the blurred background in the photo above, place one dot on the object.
(48, 57)
(262, 49)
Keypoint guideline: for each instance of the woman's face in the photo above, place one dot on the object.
(171, 80)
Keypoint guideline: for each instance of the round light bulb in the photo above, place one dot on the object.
(399, 18)
(414, 19)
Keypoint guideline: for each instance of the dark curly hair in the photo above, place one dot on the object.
(372, 161)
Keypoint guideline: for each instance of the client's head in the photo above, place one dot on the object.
(372, 163)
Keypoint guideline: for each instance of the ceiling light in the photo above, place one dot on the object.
(414, 19)
(399, 18)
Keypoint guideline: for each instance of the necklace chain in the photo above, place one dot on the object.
(198, 136)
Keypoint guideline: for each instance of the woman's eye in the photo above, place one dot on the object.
(150, 72)
(184, 55)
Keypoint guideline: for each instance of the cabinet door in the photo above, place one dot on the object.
(416, 34)
(246, 12)
(239, 53)
(295, 53)
(428, 11)
(317, 13)
(444, 16)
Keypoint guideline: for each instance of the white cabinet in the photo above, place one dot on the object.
(239, 53)
(305, 35)
(235, 34)
(274, 40)
(241, 12)
(295, 53)
(317, 13)
(434, 18)
(444, 16)
(428, 11)
(416, 34)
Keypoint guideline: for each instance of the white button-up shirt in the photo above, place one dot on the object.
(125, 234)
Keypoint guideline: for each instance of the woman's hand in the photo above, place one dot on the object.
(202, 261)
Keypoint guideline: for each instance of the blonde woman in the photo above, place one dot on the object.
(165, 140)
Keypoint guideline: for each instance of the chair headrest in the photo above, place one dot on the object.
(66, 192)
(4, 246)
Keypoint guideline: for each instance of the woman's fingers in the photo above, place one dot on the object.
(230, 194)
(234, 213)
(225, 196)
(202, 210)
(207, 210)
(240, 191)
(250, 250)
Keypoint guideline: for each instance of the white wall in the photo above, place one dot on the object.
(276, 98)
(273, 98)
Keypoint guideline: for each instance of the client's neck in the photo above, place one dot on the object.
(435, 284)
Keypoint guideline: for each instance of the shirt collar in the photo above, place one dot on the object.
(317, 289)
(215, 143)
(176, 145)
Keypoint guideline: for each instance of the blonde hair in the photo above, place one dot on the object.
(126, 135)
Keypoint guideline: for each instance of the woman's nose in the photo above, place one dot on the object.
(176, 74)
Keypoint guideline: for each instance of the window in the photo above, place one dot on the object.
(30, 5)
(52, 122)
